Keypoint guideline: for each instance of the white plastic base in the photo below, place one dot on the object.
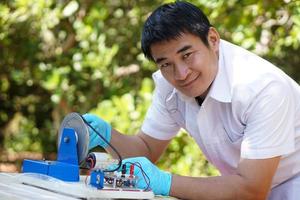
(80, 189)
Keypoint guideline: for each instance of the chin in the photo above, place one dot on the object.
(192, 92)
(189, 93)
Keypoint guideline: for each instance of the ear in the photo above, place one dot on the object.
(213, 38)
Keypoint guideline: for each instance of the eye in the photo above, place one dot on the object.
(187, 55)
(164, 65)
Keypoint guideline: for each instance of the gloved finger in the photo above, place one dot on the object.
(92, 136)
(89, 117)
(92, 145)
(93, 124)
(91, 131)
(142, 182)
(142, 178)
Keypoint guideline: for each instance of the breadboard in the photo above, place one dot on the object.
(81, 190)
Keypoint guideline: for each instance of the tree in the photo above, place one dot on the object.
(62, 56)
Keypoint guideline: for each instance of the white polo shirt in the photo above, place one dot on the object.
(251, 111)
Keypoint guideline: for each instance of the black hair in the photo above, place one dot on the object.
(170, 20)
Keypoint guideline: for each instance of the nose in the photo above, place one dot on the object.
(181, 71)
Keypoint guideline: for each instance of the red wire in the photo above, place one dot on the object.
(91, 167)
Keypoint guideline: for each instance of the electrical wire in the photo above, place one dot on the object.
(145, 176)
(89, 171)
(111, 146)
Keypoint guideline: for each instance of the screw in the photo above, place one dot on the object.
(66, 139)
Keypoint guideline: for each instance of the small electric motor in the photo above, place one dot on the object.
(100, 164)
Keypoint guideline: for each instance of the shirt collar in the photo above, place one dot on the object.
(220, 89)
(221, 86)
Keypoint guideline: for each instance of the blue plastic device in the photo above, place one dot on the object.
(66, 166)
(97, 178)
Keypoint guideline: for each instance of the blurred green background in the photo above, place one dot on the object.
(61, 56)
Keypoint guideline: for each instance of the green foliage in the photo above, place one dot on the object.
(126, 112)
(69, 55)
(184, 157)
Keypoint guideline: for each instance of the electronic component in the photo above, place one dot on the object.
(97, 179)
(106, 177)
(99, 160)
(73, 141)
(120, 180)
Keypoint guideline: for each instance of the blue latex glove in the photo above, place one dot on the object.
(160, 181)
(102, 127)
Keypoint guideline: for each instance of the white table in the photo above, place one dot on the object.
(20, 186)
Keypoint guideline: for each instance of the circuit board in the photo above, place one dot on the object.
(80, 189)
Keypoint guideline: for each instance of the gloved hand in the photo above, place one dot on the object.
(160, 181)
(102, 127)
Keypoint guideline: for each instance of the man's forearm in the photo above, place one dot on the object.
(220, 187)
(128, 146)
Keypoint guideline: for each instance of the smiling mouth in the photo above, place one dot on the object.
(190, 82)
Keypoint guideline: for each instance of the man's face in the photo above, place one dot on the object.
(187, 63)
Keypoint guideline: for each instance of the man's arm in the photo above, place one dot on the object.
(252, 181)
(137, 145)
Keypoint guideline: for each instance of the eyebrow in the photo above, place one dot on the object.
(158, 60)
(184, 48)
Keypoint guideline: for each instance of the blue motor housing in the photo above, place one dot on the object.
(66, 167)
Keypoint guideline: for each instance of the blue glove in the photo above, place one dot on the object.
(160, 181)
(102, 127)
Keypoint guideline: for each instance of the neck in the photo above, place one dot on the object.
(199, 100)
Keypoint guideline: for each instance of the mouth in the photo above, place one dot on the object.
(190, 82)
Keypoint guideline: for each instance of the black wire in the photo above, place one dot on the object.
(143, 172)
(119, 156)
(113, 148)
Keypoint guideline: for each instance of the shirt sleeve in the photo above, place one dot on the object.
(158, 122)
(270, 130)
